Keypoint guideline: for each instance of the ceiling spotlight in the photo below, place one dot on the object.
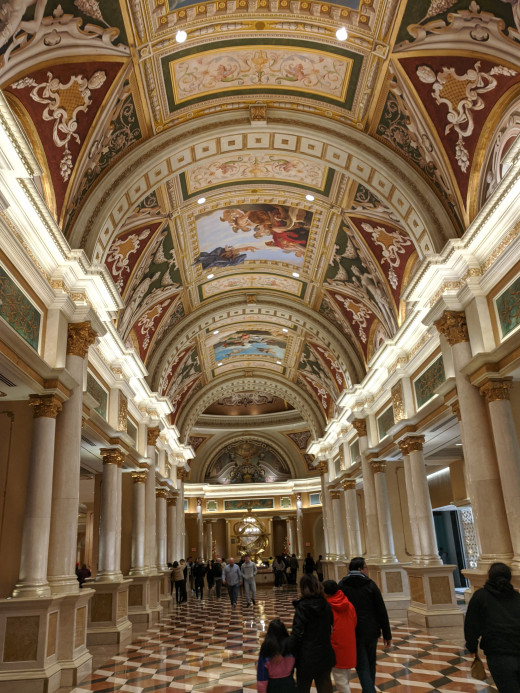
(215, 331)
(210, 276)
(219, 363)
(181, 36)
(284, 329)
(342, 34)
(295, 274)
(201, 200)
(279, 363)
(310, 198)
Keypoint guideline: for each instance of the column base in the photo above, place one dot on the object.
(433, 598)
(392, 580)
(74, 658)
(334, 568)
(108, 622)
(165, 599)
(140, 613)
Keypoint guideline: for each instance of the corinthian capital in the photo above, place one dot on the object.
(495, 390)
(453, 326)
(349, 485)
(79, 337)
(152, 435)
(45, 406)
(323, 467)
(414, 443)
(361, 427)
(112, 456)
(378, 466)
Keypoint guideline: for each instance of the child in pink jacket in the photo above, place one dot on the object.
(275, 664)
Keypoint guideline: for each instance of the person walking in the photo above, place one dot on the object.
(309, 566)
(275, 667)
(319, 568)
(372, 619)
(232, 578)
(278, 568)
(210, 576)
(343, 638)
(248, 571)
(199, 572)
(494, 616)
(294, 565)
(177, 575)
(310, 637)
(217, 574)
(190, 579)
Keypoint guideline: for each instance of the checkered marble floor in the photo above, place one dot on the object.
(207, 646)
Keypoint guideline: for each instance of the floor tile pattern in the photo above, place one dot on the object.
(207, 646)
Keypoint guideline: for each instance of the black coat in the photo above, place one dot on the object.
(310, 635)
(199, 571)
(372, 617)
(494, 613)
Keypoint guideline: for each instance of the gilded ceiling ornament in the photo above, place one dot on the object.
(45, 406)
(453, 326)
(361, 427)
(392, 243)
(123, 412)
(152, 435)
(398, 402)
(496, 390)
(80, 336)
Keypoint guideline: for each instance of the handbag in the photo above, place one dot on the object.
(477, 669)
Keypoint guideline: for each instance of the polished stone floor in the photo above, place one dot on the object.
(206, 646)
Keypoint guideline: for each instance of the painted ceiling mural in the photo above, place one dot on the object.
(247, 462)
(202, 174)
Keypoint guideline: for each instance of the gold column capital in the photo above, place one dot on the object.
(182, 474)
(45, 406)
(80, 336)
(361, 426)
(414, 443)
(495, 390)
(161, 493)
(398, 402)
(172, 500)
(152, 434)
(139, 477)
(453, 326)
(455, 408)
(403, 446)
(323, 467)
(349, 485)
(112, 456)
(335, 495)
(378, 466)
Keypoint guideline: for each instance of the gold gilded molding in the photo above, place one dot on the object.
(398, 402)
(378, 466)
(152, 435)
(361, 427)
(123, 412)
(349, 485)
(47, 406)
(112, 456)
(258, 113)
(414, 443)
(453, 326)
(496, 390)
(79, 337)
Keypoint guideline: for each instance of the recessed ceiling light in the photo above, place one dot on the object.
(309, 197)
(295, 274)
(210, 276)
(342, 34)
(458, 445)
(215, 331)
(284, 329)
(201, 200)
(279, 363)
(181, 36)
(219, 363)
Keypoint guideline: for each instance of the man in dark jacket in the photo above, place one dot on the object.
(494, 616)
(372, 618)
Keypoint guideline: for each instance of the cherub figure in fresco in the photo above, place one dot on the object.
(226, 256)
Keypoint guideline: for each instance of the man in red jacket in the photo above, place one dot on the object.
(343, 638)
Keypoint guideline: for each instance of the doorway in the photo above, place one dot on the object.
(450, 542)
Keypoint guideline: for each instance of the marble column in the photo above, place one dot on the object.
(293, 535)
(423, 507)
(181, 521)
(299, 526)
(200, 530)
(65, 483)
(485, 489)
(119, 516)
(109, 538)
(150, 507)
(383, 513)
(161, 495)
(353, 529)
(323, 468)
(171, 551)
(371, 510)
(138, 567)
(412, 511)
(497, 394)
(209, 539)
(335, 497)
(37, 520)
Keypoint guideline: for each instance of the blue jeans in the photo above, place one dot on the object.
(233, 594)
(505, 670)
(366, 665)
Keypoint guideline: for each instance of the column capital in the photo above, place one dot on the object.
(152, 434)
(161, 493)
(378, 466)
(495, 390)
(453, 326)
(403, 446)
(361, 426)
(45, 405)
(349, 485)
(299, 497)
(112, 456)
(199, 502)
(80, 336)
(335, 495)
(323, 467)
(172, 500)
(455, 408)
(413, 444)
(139, 477)
(182, 474)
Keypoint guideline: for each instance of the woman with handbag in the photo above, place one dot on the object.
(493, 615)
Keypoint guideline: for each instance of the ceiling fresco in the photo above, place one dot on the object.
(262, 193)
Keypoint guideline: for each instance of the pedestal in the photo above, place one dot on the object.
(74, 658)
(392, 580)
(433, 601)
(108, 622)
(155, 596)
(334, 569)
(165, 599)
(29, 645)
(140, 613)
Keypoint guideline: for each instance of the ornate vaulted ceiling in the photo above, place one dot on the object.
(262, 193)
